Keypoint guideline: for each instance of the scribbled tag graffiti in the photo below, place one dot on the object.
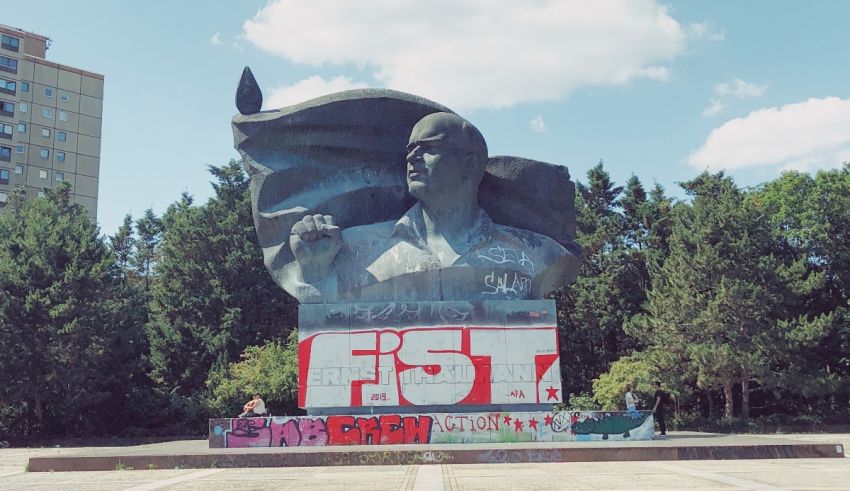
(395, 429)
(428, 353)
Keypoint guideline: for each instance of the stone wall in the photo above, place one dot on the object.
(426, 428)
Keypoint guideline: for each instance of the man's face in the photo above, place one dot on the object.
(435, 163)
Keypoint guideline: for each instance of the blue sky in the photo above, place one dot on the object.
(661, 89)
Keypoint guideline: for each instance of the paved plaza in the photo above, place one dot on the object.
(774, 474)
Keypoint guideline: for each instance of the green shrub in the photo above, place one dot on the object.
(270, 370)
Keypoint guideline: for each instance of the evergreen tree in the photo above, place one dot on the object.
(63, 342)
(718, 302)
(149, 229)
(810, 217)
(609, 289)
(213, 296)
(122, 245)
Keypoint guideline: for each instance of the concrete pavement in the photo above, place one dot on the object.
(774, 474)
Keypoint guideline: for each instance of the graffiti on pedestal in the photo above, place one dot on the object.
(443, 365)
(395, 429)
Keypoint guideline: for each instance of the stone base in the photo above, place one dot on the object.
(196, 454)
(428, 428)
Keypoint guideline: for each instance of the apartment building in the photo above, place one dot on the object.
(50, 121)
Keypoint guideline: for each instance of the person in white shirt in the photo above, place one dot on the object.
(253, 408)
(631, 399)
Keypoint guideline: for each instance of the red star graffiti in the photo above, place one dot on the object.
(547, 420)
(517, 425)
(532, 423)
(552, 393)
(507, 419)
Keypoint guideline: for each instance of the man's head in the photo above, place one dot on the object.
(257, 396)
(628, 387)
(657, 384)
(446, 155)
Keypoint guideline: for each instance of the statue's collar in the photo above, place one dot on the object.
(411, 228)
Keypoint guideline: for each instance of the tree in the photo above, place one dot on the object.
(212, 296)
(718, 302)
(610, 286)
(810, 216)
(64, 341)
(122, 245)
(149, 229)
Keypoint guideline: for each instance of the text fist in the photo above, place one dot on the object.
(315, 242)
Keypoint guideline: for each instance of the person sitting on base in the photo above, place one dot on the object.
(254, 408)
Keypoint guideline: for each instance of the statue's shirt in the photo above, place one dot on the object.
(392, 260)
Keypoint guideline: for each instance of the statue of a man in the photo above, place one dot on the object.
(445, 247)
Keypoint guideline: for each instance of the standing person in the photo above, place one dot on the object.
(631, 399)
(658, 409)
(253, 408)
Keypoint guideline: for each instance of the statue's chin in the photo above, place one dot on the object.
(417, 189)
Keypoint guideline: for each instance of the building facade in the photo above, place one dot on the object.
(50, 121)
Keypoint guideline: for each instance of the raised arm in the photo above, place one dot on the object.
(315, 242)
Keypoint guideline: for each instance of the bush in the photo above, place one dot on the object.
(609, 389)
(582, 402)
(270, 370)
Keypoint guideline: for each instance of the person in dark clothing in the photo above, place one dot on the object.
(658, 409)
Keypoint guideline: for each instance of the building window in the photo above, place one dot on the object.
(19, 169)
(61, 136)
(44, 153)
(24, 107)
(7, 86)
(3, 198)
(42, 174)
(41, 193)
(22, 127)
(6, 131)
(63, 95)
(48, 92)
(59, 176)
(4, 176)
(10, 43)
(63, 116)
(47, 112)
(8, 64)
(45, 132)
(25, 86)
(7, 108)
(6, 153)
(60, 156)
(19, 149)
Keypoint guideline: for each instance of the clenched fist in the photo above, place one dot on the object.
(315, 242)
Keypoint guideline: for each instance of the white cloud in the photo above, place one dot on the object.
(739, 89)
(724, 92)
(537, 125)
(477, 53)
(215, 40)
(702, 30)
(806, 135)
(714, 107)
(307, 89)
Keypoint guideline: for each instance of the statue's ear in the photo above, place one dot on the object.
(470, 161)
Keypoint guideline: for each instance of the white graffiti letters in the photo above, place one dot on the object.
(510, 285)
(429, 366)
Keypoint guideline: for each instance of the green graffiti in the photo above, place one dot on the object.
(610, 424)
